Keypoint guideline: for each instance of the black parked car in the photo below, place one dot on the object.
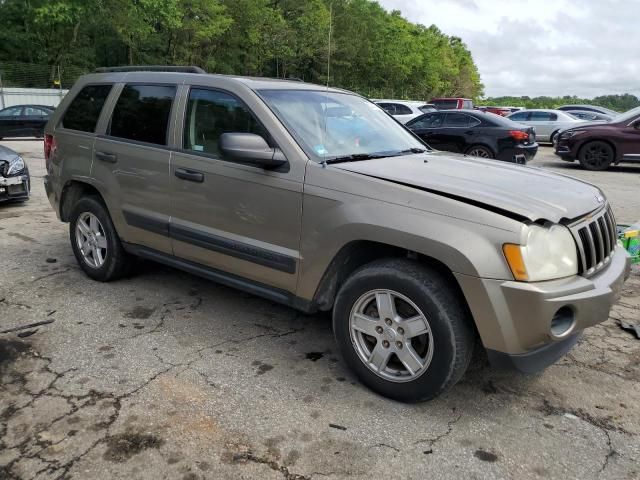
(476, 133)
(24, 120)
(15, 182)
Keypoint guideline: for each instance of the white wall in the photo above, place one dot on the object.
(38, 96)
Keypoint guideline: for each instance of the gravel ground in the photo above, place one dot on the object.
(165, 375)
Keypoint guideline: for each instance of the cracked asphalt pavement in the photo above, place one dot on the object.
(165, 375)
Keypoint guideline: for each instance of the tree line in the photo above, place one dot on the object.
(619, 103)
(372, 51)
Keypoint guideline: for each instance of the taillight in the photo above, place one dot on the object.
(49, 147)
(519, 135)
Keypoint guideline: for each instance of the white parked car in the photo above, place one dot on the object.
(405, 110)
(548, 123)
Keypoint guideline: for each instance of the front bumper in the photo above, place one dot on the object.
(514, 318)
(14, 188)
(566, 151)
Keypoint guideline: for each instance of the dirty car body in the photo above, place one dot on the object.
(316, 198)
(14, 176)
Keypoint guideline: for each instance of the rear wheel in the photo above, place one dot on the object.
(479, 151)
(554, 138)
(596, 156)
(95, 242)
(403, 329)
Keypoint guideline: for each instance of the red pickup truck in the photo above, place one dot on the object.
(452, 103)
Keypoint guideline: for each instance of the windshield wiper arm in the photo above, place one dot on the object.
(413, 150)
(356, 157)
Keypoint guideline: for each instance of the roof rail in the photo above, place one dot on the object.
(151, 68)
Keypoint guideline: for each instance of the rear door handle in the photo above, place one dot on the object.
(107, 157)
(189, 175)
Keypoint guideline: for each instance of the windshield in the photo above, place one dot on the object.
(330, 124)
(627, 116)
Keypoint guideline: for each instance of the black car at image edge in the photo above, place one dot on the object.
(15, 182)
(476, 133)
(24, 120)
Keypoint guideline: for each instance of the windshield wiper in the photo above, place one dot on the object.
(356, 157)
(413, 150)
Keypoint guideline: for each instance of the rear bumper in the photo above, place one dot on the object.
(515, 318)
(509, 154)
(14, 188)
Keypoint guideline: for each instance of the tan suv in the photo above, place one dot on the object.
(316, 198)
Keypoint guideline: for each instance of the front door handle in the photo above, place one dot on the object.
(106, 157)
(189, 175)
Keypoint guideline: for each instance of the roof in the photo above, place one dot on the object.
(179, 74)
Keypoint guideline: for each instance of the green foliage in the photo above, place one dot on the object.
(374, 52)
(619, 103)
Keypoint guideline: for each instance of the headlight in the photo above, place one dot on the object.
(16, 165)
(548, 253)
(571, 133)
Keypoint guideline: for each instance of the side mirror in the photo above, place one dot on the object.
(636, 124)
(250, 148)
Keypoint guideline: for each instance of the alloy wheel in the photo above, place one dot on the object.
(597, 156)
(479, 152)
(391, 336)
(91, 240)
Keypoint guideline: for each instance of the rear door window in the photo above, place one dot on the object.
(84, 110)
(456, 120)
(210, 113)
(142, 113)
(540, 116)
(467, 104)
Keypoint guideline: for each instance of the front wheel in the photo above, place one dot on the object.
(596, 156)
(404, 329)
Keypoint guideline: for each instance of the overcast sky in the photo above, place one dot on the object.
(542, 47)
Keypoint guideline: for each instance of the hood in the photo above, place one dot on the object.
(7, 154)
(524, 193)
(587, 125)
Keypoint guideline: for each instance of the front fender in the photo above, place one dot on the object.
(333, 219)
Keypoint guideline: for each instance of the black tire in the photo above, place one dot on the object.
(479, 151)
(117, 262)
(554, 138)
(441, 303)
(596, 155)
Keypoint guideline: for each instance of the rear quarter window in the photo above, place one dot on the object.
(84, 110)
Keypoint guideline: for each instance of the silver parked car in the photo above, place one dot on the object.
(548, 123)
(405, 110)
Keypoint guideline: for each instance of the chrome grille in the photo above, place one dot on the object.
(596, 238)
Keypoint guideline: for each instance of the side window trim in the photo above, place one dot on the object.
(182, 122)
(168, 137)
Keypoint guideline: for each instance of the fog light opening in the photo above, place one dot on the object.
(562, 322)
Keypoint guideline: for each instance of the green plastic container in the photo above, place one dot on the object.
(629, 236)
